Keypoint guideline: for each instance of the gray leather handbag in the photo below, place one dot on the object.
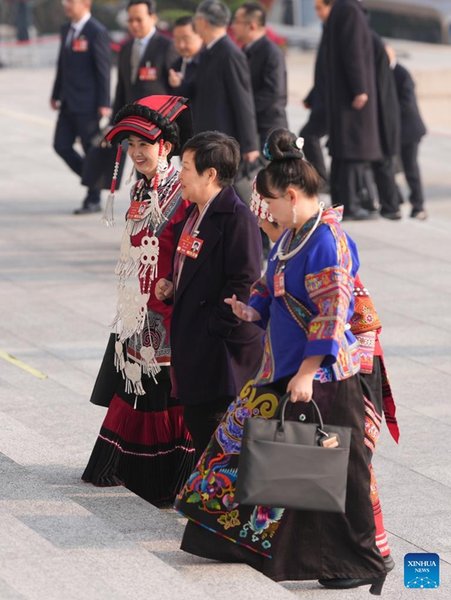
(288, 464)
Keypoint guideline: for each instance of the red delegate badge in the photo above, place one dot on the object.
(189, 245)
(80, 45)
(279, 284)
(147, 73)
(137, 210)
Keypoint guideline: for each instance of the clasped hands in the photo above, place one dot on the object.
(164, 289)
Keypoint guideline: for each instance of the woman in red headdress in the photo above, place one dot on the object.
(143, 443)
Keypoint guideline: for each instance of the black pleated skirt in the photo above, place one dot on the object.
(143, 443)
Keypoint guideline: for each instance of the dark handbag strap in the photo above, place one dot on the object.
(280, 412)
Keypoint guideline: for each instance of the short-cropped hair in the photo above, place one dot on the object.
(213, 149)
(183, 21)
(214, 12)
(254, 12)
(151, 5)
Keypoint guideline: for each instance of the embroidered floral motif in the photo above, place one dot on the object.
(208, 495)
(230, 519)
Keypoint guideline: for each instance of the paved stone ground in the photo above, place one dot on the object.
(63, 539)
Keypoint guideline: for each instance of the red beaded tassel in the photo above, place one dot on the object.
(108, 214)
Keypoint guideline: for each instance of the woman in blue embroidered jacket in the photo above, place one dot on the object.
(304, 302)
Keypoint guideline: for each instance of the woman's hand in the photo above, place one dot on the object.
(301, 385)
(300, 388)
(241, 310)
(164, 289)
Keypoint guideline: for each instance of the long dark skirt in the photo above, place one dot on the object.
(283, 544)
(373, 386)
(145, 448)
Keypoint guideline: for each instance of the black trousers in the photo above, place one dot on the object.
(384, 176)
(346, 177)
(312, 147)
(69, 127)
(409, 159)
(201, 420)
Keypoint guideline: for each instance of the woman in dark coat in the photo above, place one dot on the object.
(218, 255)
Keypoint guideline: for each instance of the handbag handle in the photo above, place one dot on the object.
(280, 412)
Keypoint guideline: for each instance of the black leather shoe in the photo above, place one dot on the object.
(361, 214)
(393, 216)
(376, 584)
(87, 209)
(389, 563)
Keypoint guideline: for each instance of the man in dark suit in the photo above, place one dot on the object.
(351, 102)
(81, 91)
(412, 130)
(223, 98)
(267, 67)
(316, 126)
(390, 132)
(188, 43)
(145, 60)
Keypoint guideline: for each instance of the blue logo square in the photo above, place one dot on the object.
(421, 570)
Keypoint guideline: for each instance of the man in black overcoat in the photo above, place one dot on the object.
(81, 91)
(267, 67)
(412, 130)
(145, 60)
(351, 101)
(316, 126)
(223, 99)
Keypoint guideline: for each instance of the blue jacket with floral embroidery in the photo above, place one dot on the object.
(311, 318)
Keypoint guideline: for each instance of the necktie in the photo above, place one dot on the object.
(70, 36)
(135, 60)
(185, 62)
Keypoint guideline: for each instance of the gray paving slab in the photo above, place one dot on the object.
(57, 294)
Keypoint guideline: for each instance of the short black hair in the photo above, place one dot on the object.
(151, 5)
(255, 12)
(183, 21)
(213, 149)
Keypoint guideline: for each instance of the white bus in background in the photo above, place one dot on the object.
(417, 20)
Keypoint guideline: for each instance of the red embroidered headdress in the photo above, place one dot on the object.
(153, 118)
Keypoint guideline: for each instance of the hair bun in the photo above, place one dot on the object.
(282, 144)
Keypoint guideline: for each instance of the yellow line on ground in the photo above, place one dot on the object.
(18, 363)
